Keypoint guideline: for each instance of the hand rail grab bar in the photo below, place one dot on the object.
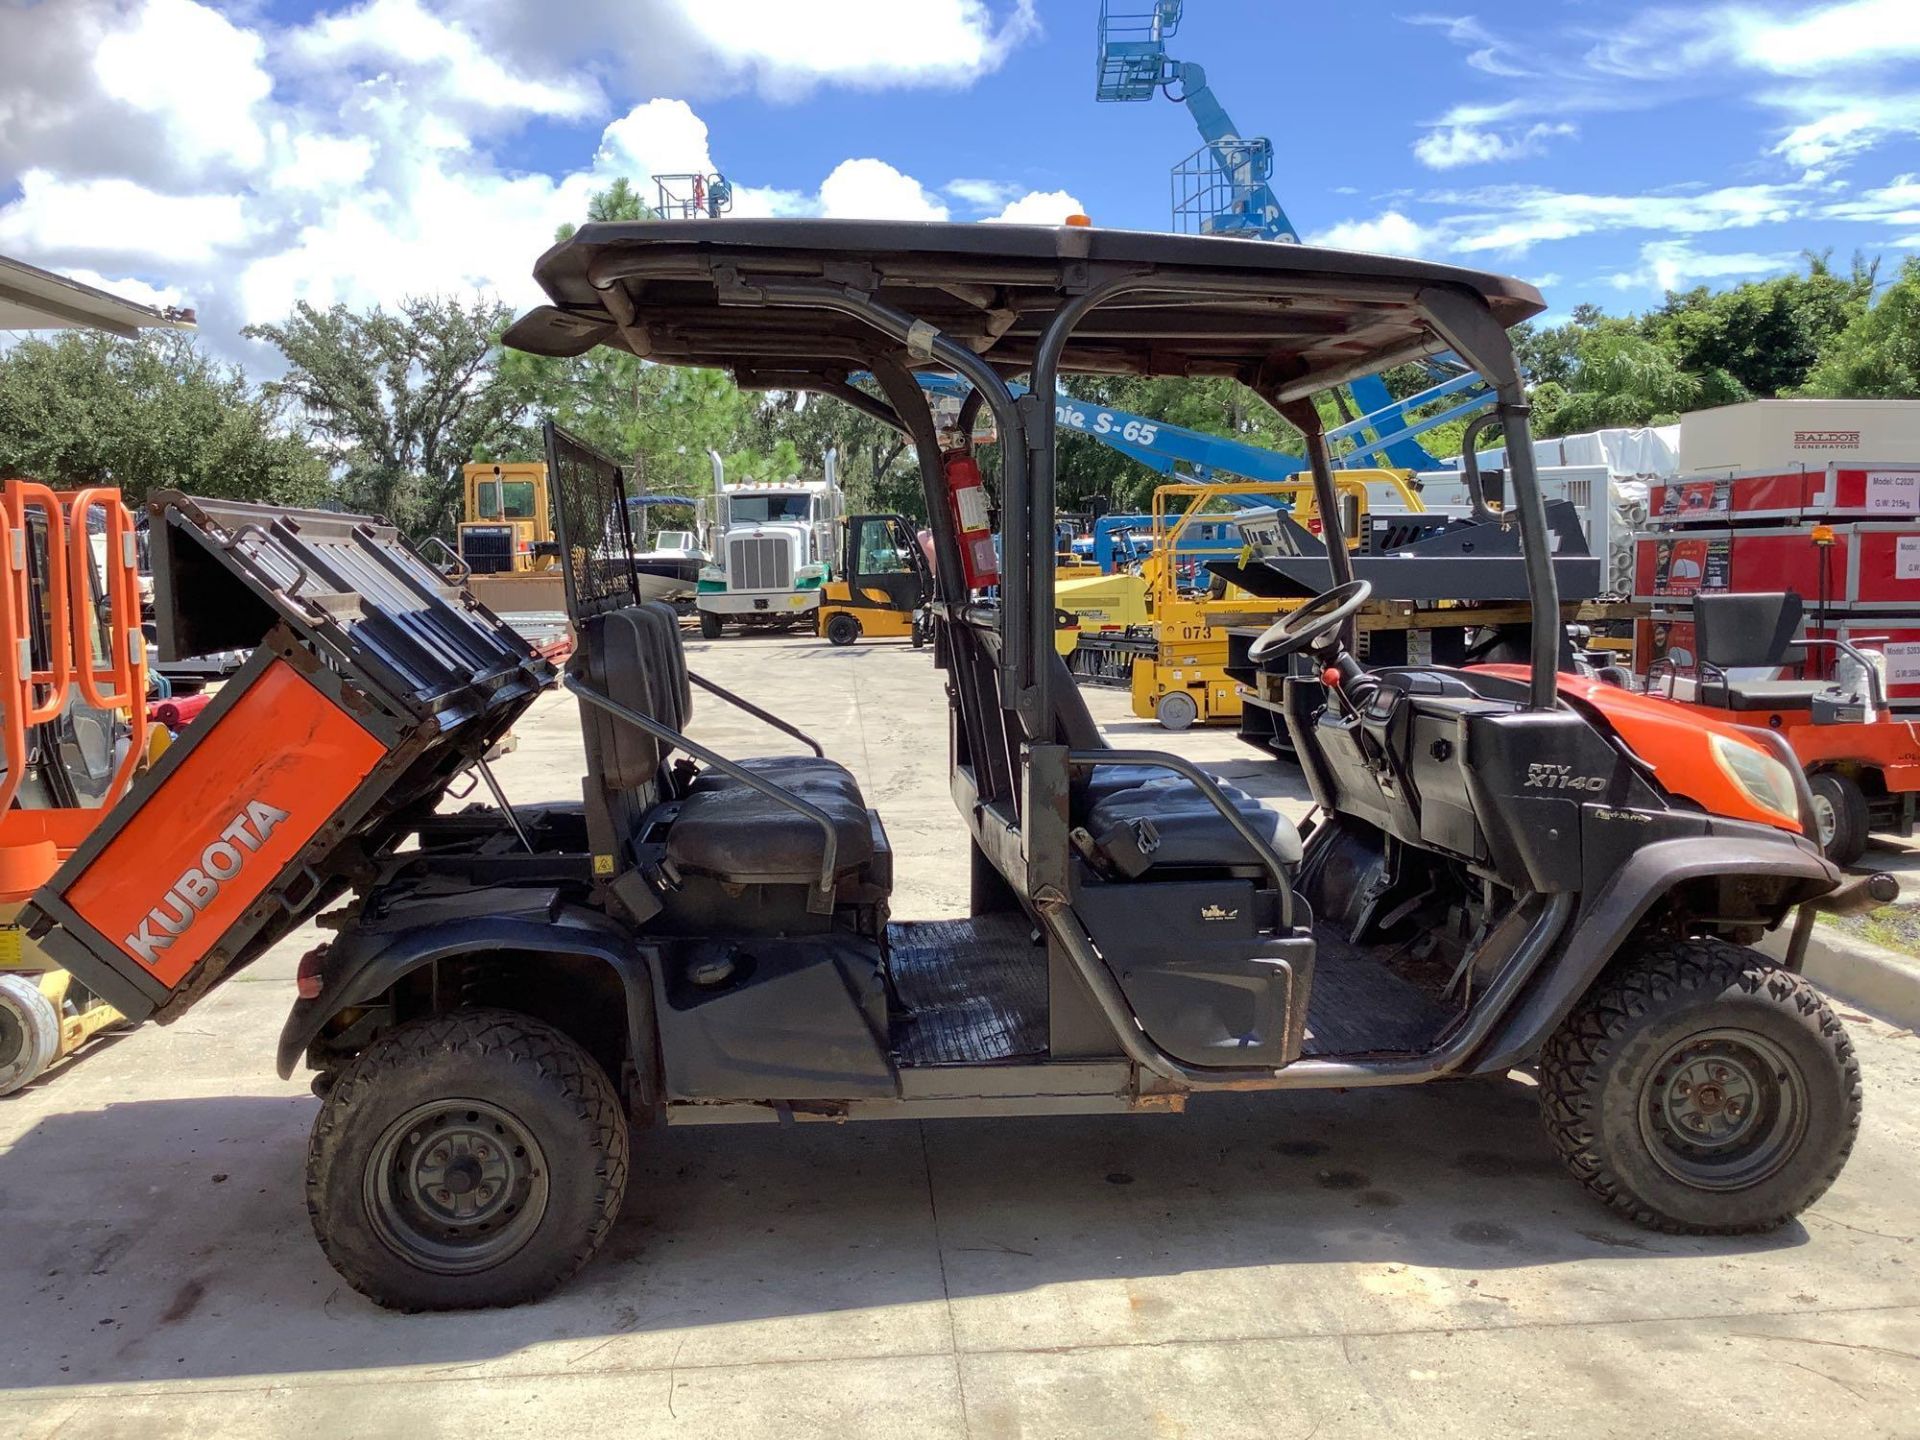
(754, 710)
(1201, 781)
(1875, 696)
(822, 902)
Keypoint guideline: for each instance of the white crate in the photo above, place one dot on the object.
(1779, 435)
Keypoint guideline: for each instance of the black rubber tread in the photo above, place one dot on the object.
(1667, 979)
(842, 629)
(522, 1052)
(1851, 823)
(711, 625)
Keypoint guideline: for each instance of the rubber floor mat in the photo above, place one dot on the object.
(1358, 1004)
(973, 991)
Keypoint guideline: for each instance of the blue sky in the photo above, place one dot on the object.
(245, 154)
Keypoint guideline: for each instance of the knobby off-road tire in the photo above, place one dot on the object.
(1701, 1089)
(464, 1161)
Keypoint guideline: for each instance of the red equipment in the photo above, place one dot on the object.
(179, 712)
(967, 493)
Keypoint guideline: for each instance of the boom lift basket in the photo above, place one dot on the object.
(372, 685)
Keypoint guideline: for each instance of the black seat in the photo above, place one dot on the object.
(1168, 823)
(1734, 632)
(725, 828)
(1141, 817)
(714, 824)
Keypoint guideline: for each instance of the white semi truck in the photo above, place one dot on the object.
(773, 550)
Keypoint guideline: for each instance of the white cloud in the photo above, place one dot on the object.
(1674, 264)
(1842, 94)
(1841, 126)
(1485, 50)
(117, 218)
(193, 72)
(982, 194)
(1895, 204)
(318, 162)
(1038, 207)
(1514, 218)
(402, 42)
(1447, 147)
(1858, 32)
(869, 189)
(661, 137)
(128, 288)
(1391, 233)
(788, 47)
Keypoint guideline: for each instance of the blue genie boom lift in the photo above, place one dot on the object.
(1224, 188)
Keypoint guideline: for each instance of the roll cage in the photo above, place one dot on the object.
(807, 305)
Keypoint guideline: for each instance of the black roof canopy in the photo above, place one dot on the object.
(692, 292)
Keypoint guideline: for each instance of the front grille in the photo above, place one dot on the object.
(759, 562)
(488, 550)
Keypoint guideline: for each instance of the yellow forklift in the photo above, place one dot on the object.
(883, 585)
(506, 549)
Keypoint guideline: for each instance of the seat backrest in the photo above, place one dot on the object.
(1732, 631)
(634, 656)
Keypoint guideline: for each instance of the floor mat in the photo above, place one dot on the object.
(1358, 1004)
(974, 991)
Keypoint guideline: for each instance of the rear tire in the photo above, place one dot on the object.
(1176, 710)
(842, 630)
(465, 1161)
(29, 1032)
(1840, 812)
(710, 625)
(1701, 1089)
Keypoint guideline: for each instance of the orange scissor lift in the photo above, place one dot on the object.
(73, 733)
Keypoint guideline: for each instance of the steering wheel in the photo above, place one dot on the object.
(1312, 622)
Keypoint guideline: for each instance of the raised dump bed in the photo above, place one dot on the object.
(373, 683)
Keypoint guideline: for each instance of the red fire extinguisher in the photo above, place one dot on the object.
(967, 493)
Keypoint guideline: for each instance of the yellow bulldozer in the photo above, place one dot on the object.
(506, 541)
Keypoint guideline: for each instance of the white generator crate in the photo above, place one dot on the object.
(1782, 435)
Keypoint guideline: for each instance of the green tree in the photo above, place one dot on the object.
(658, 420)
(1621, 378)
(399, 399)
(1762, 337)
(1878, 355)
(147, 414)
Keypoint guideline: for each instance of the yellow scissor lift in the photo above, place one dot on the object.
(1167, 641)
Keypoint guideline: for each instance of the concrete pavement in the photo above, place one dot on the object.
(1375, 1263)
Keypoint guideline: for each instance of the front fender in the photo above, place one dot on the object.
(1611, 915)
(362, 965)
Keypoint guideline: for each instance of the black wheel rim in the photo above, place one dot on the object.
(1724, 1110)
(456, 1186)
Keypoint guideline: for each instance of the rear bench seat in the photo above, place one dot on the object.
(715, 824)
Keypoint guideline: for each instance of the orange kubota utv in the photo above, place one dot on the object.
(1506, 870)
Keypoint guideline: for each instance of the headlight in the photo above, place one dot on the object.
(1761, 778)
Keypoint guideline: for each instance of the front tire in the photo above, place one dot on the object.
(710, 625)
(1701, 1089)
(465, 1161)
(29, 1032)
(842, 630)
(1176, 710)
